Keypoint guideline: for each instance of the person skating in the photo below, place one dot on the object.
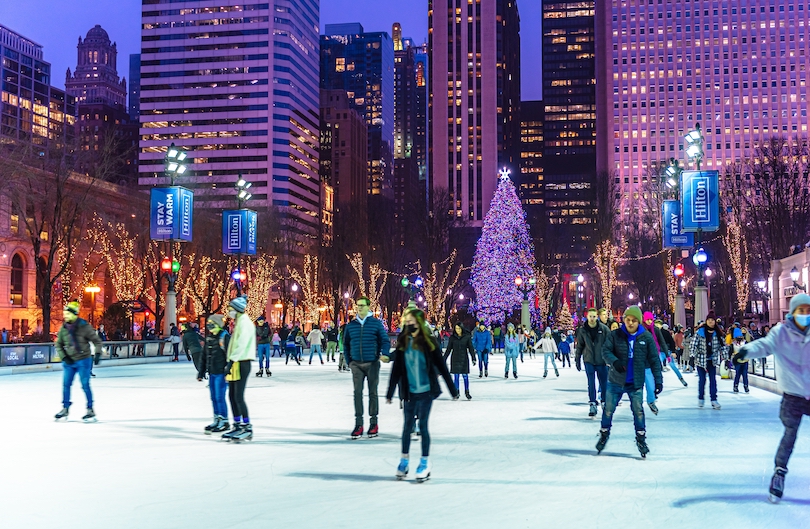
(331, 341)
(511, 350)
(263, 345)
(212, 364)
(564, 348)
(740, 364)
(548, 347)
(417, 363)
(73, 347)
(789, 342)
(290, 348)
(459, 345)
(660, 347)
(497, 337)
(590, 340)
(241, 351)
(276, 345)
(708, 349)
(315, 338)
(175, 340)
(629, 351)
(192, 345)
(482, 341)
(364, 342)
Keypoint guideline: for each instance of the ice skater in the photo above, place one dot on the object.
(482, 341)
(192, 345)
(416, 365)
(661, 350)
(212, 363)
(241, 351)
(511, 350)
(263, 345)
(565, 348)
(590, 340)
(73, 347)
(740, 364)
(315, 339)
(459, 345)
(548, 347)
(629, 351)
(708, 348)
(789, 342)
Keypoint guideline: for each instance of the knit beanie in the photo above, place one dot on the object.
(73, 307)
(634, 311)
(239, 304)
(648, 316)
(798, 300)
(218, 320)
(711, 315)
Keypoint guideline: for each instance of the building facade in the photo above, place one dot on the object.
(475, 87)
(530, 182)
(569, 130)
(739, 70)
(236, 86)
(362, 64)
(32, 110)
(95, 79)
(134, 100)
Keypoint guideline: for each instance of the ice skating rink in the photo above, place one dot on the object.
(520, 454)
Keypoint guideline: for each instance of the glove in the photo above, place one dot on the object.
(617, 365)
(68, 360)
(97, 358)
(228, 366)
(659, 388)
(579, 365)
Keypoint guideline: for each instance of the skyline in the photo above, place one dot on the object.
(57, 27)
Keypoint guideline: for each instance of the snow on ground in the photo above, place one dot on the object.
(520, 454)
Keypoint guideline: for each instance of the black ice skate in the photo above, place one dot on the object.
(467, 394)
(373, 431)
(62, 414)
(777, 485)
(641, 443)
(556, 372)
(592, 411)
(259, 372)
(221, 426)
(683, 382)
(486, 372)
(357, 433)
(514, 374)
(268, 373)
(233, 431)
(653, 408)
(210, 427)
(545, 374)
(245, 433)
(604, 435)
(90, 416)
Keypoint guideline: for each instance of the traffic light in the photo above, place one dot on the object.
(238, 275)
(679, 270)
(166, 265)
(175, 266)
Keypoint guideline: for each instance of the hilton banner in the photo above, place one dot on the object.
(239, 232)
(701, 200)
(674, 237)
(171, 213)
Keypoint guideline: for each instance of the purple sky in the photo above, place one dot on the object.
(57, 25)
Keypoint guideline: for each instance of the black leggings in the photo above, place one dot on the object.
(236, 391)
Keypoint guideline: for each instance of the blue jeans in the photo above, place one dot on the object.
(498, 344)
(593, 371)
(276, 349)
(741, 372)
(614, 395)
(512, 359)
(483, 360)
(82, 367)
(711, 371)
(315, 348)
(417, 407)
(263, 350)
(545, 361)
(466, 381)
(673, 365)
(649, 385)
(217, 387)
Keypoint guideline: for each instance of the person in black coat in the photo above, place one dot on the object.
(458, 347)
(417, 365)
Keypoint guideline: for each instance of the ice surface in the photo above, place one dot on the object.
(520, 454)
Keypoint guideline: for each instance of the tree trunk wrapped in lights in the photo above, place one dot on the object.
(309, 282)
(435, 285)
(543, 290)
(607, 258)
(736, 245)
(372, 288)
(503, 253)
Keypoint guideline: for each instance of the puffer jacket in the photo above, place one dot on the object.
(587, 350)
(458, 347)
(482, 340)
(435, 367)
(367, 342)
(213, 361)
(85, 335)
(645, 355)
(792, 347)
(191, 342)
(263, 333)
(511, 346)
(242, 345)
(698, 348)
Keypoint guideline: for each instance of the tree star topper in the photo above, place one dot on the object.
(504, 173)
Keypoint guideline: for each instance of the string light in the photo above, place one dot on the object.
(310, 285)
(372, 288)
(607, 258)
(737, 247)
(437, 284)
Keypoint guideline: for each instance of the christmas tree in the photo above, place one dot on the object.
(503, 253)
(564, 320)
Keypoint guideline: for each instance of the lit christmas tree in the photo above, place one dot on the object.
(564, 320)
(503, 253)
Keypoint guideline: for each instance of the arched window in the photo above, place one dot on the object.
(17, 275)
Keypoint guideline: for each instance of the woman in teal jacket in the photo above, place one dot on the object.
(511, 350)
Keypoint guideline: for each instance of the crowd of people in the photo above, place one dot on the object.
(626, 356)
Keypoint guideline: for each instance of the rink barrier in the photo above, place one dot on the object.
(26, 354)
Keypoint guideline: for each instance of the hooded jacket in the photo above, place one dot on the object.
(587, 349)
(792, 347)
(546, 345)
(482, 340)
(458, 347)
(84, 333)
(645, 355)
(263, 333)
(213, 361)
(243, 341)
(511, 345)
(191, 342)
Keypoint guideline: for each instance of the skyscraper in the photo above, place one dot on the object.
(530, 182)
(474, 62)
(32, 110)
(362, 64)
(569, 130)
(95, 79)
(236, 85)
(738, 69)
(134, 102)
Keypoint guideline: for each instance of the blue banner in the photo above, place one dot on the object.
(239, 231)
(701, 200)
(674, 237)
(171, 213)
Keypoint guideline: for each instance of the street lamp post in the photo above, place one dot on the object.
(92, 290)
(345, 307)
(794, 276)
(701, 291)
(680, 306)
(525, 314)
(411, 288)
(580, 294)
(766, 296)
(174, 166)
(295, 301)
(242, 196)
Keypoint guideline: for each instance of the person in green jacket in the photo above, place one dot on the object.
(73, 347)
(241, 352)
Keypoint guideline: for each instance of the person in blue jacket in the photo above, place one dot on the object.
(511, 350)
(482, 341)
(364, 342)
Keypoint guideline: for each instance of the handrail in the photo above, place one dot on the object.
(21, 354)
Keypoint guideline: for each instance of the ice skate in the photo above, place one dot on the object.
(268, 373)
(604, 435)
(423, 470)
(210, 427)
(233, 431)
(373, 431)
(486, 371)
(556, 371)
(90, 416)
(653, 408)
(402, 469)
(62, 414)
(777, 487)
(357, 433)
(683, 382)
(545, 374)
(641, 443)
(701, 402)
(715, 405)
(467, 394)
(514, 374)
(245, 433)
(506, 375)
(592, 410)
(259, 372)
(222, 425)
(746, 389)
(736, 389)
(480, 374)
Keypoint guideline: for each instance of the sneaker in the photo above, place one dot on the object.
(373, 431)
(701, 402)
(357, 433)
(653, 408)
(402, 469)
(777, 487)
(423, 470)
(715, 405)
(604, 435)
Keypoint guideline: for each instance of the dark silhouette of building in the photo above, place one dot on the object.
(530, 180)
(134, 103)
